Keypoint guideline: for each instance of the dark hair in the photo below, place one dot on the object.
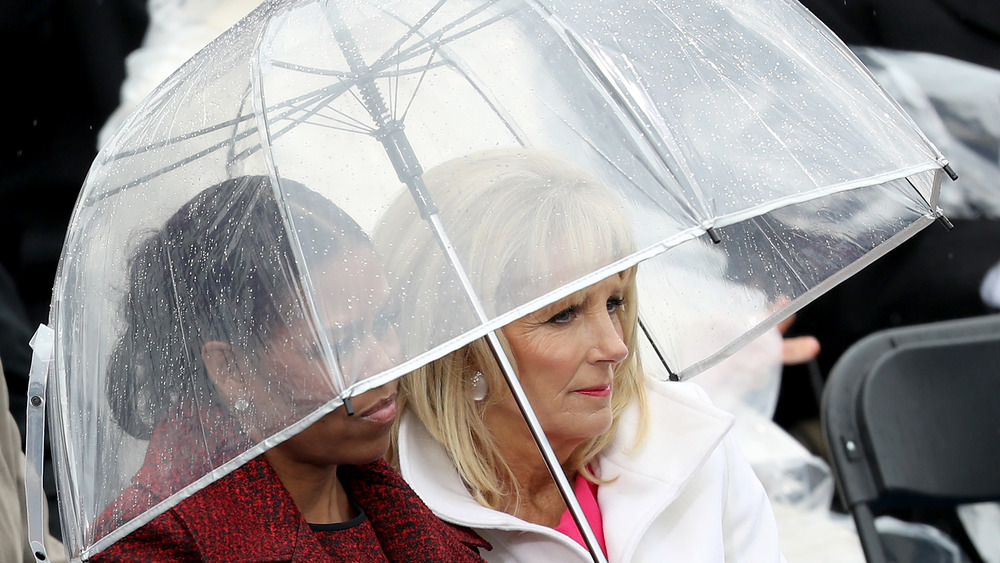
(222, 268)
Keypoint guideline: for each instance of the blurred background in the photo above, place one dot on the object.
(80, 66)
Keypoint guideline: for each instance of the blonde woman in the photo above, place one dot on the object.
(652, 463)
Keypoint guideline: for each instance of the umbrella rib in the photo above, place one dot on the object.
(145, 178)
(621, 99)
(434, 46)
(346, 125)
(349, 123)
(731, 86)
(310, 69)
(497, 110)
(336, 126)
(247, 152)
(434, 40)
(430, 43)
(413, 29)
(346, 87)
(205, 130)
(357, 128)
(325, 103)
(382, 61)
(293, 123)
(177, 139)
(420, 81)
(656, 348)
(644, 162)
(394, 88)
(344, 76)
(360, 129)
(359, 99)
(396, 48)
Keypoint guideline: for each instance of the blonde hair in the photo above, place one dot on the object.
(511, 214)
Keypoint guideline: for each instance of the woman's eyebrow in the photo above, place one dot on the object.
(341, 331)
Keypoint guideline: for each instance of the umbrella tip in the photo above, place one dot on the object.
(943, 220)
(348, 406)
(39, 552)
(950, 172)
(714, 235)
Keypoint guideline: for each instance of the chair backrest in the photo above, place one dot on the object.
(912, 419)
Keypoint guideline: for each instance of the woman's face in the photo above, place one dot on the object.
(566, 354)
(360, 329)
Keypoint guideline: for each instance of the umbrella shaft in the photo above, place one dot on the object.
(548, 455)
(535, 427)
(400, 151)
(389, 131)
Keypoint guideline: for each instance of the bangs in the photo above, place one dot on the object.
(564, 234)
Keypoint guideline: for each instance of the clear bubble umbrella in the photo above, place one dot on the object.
(757, 161)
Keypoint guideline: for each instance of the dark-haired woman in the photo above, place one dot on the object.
(225, 349)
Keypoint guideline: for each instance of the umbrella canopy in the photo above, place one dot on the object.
(754, 159)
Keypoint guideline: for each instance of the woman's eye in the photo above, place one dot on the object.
(382, 328)
(563, 316)
(348, 343)
(384, 325)
(615, 303)
(311, 352)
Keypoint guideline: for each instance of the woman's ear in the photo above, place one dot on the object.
(223, 368)
(220, 364)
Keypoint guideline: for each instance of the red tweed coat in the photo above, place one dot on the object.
(248, 515)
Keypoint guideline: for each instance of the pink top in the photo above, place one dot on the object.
(586, 494)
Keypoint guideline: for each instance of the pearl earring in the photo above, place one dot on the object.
(479, 386)
(241, 405)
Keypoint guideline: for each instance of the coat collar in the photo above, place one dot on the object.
(174, 459)
(425, 465)
(684, 429)
(226, 530)
(250, 509)
(654, 473)
(249, 516)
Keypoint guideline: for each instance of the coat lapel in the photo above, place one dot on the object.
(249, 516)
(650, 476)
(654, 474)
(427, 468)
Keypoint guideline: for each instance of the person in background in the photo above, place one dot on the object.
(799, 484)
(14, 544)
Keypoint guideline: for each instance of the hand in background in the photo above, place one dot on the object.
(797, 349)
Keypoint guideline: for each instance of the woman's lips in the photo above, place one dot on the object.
(596, 391)
(382, 412)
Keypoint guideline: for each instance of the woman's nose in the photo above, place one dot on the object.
(378, 355)
(610, 346)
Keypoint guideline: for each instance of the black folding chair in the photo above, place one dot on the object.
(911, 416)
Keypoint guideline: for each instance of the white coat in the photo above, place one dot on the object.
(686, 494)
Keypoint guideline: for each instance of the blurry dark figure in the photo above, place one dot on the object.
(933, 276)
(64, 66)
(65, 63)
(937, 274)
(15, 332)
(963, 29)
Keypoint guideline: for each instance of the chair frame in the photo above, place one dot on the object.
(908, 361)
